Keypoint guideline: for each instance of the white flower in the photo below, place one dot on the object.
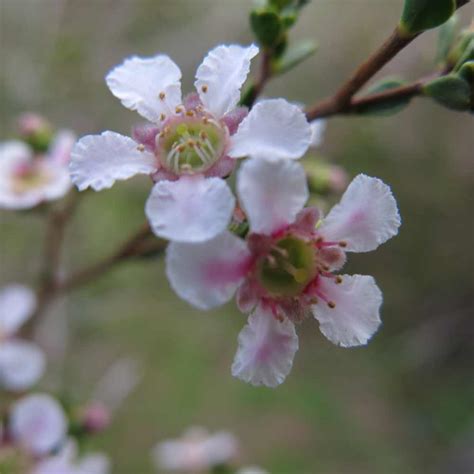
(196, 451)
(27, 180)
(191, 144)
(38, 424)
(283, 271)
(21, 362)
(66, 461)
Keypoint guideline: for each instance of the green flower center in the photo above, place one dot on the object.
(191, 145)
(288, 268)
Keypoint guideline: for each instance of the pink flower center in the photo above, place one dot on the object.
(191, 142)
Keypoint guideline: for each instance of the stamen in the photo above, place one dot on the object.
(204, 89)
(282, 252)
(179, 109)
(338, 280)
(331, 304)
(162, 117)
(190, 113)
(141, 147)
(162, 95)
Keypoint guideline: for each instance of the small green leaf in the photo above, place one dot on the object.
(467, 72)
(267, 27)
(421, 15)
(466, 55)
(446, 36)
(451, 91)
(295, 55)
(387, 107)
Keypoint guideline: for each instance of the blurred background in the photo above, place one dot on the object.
(405, 403)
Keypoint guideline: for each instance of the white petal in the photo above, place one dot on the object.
(355, 318)
(58, 184)
(95, 463)
(207, 274)
(22, 364)
(221, 76)
(97, 161)
(272, 194)
(17, 303)
(266, 349)
(273, 130)
(191, 209)
(366, 217)
(60, 149)
(139, 82)
(318, 128)
(38, 423)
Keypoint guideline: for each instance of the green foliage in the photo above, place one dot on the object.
(451, 91)
(267, 27)
(386, 107)
(446, 38)
(421, 15)
(295, 55)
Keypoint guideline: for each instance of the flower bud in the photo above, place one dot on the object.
(96, 417)
(36, 131)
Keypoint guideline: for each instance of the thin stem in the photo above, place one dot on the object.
(135, 246)
(264, 76)
(342, 101)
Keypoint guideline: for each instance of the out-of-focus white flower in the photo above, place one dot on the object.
(284, 270)
(193, 143)
(66, 461)
(251, 470)
(21, 362)
(28, 179)
(318, 127)
(196, 451)
(37, 424)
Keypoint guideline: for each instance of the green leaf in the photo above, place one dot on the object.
(267, 27)
(446, 36)
(387, 107)
(466, 55)
(451, 91)
(467, 72)
(421, 15)
(295, 55)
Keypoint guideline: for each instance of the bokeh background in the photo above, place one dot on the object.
(404, 404)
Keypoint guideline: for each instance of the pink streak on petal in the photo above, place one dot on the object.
(145, 134)
(233, 118)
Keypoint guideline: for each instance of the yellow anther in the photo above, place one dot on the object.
(141, 147)
(205, 120)
(342, 244)
(181, 148)
(190, 113)
(178, 109)
(162, 117)
(202, 135)
(191, 143)
(331, 304)
(204, 89)
(162, 96)
(338, 280)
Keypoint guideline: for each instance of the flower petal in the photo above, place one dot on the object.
(318, 127)
(192, 209)
(272, 194)
(17, 303)
(22, 364)
(94, 463)
(151, 86)
(38, 423)
(60, 150)
(266, 350)
(221, 75)
(355, 318)
(97, 161)
(207, 274)
(273, 130)
(366, 217)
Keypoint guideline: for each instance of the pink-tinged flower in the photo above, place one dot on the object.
(67, 461)
(196, 451)
(284, 270)
(22, 363)
(190, 144)
(37, 424)
(28, 179)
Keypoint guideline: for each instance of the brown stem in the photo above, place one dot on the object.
(342, 98)
(263, 78)
(137, 245)
(342, 101)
